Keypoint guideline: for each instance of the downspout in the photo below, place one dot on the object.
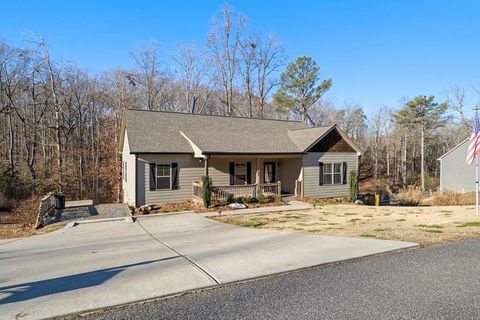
(358, 174)
(136, 180)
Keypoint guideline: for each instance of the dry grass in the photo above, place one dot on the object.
(11, 226)
(409, 196)
(447, 198)
(424, 225)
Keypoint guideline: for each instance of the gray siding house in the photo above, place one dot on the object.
(164, 155)
(455, 173)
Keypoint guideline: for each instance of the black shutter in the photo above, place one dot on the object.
(320, 176)
(249, 173)
(344, 173)
(153, 177)
(274, 174)
(232, 173)
(174, 175)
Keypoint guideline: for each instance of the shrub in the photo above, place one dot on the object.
(353, 185)
(12, 186)
(239, 199)
(247, 200)
(260, 196)
(409, 196)
(206, 190)
(6, 204)
(447, 198)
(230, 198)
(278, 198)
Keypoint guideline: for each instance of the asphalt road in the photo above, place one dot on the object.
(438, 282)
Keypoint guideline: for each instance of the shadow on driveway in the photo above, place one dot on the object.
(32, 290)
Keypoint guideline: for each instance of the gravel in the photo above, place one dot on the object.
(100, 211)
(438, 282)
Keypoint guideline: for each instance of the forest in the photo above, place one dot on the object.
(60, 123)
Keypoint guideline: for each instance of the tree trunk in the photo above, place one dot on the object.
(11, 138)
(404, 161)
(422, 160)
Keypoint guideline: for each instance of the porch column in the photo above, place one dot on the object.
(257, 172)
(206, 165)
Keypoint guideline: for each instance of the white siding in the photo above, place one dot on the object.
(189, 170)
(128, 187)
(311, 172)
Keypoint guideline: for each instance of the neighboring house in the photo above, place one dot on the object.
(455, 173)
(164, 155)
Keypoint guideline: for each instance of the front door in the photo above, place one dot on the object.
(269, 172)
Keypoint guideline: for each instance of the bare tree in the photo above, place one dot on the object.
(224, 41)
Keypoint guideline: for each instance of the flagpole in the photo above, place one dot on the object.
(476, 167)
(476, 185)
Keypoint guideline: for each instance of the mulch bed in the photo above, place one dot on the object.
(190, 206)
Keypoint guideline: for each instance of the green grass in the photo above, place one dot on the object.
(401, 219)
(368, 235)
(470, 224)
(253, 223)
(354, 220)
(431, 226)
(297, 228)
(350, 214)
(379, 230)
(433, 230)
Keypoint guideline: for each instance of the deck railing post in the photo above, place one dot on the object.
(279, 191)
(254, 191)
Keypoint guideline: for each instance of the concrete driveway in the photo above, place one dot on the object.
(97, 265)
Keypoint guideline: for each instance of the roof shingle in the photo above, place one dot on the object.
(161, 132)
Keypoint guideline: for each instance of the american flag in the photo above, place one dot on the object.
(474, 146)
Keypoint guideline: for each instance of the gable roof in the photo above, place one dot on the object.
(453, 149)
(169, 132)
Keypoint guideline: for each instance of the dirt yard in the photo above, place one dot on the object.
(11, 227)
(424, 225)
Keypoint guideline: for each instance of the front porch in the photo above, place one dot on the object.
(250, 176)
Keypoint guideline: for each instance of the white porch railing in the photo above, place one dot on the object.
(249, 190)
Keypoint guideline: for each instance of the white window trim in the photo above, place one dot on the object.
(156, 176)
(333, 173)
(235, 172)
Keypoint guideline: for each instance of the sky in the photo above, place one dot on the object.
(377, 53)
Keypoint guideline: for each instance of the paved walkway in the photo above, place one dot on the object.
(103, 264)
(293, 205)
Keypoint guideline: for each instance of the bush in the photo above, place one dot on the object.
(447, 198)
(230, 198)
(278, 198)
(260, 196)
(247, 200)
(6, 204)
(353, 185)
(206, 191)
(409, 196)
(12, 186)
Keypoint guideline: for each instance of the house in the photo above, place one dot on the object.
(455, 173)
(165, 154)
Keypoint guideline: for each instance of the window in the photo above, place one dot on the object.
(163, 176)
(332, 173)
(240, 173)
(269, 172)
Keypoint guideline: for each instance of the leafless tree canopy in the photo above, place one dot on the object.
(60, 124)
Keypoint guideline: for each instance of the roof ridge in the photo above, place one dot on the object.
(326, 126)
(215, 115)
